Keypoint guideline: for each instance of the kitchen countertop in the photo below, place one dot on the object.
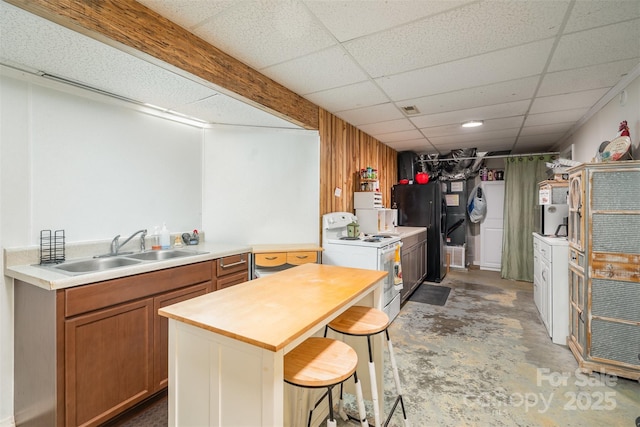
(22, 264)
(405, 232)
(272, 311)
(553, 240)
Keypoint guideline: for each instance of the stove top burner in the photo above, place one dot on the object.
(372, 240)
(349, 238)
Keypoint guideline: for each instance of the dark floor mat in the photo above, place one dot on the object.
(431, 294)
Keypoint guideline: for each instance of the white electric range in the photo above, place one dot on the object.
(373, 252)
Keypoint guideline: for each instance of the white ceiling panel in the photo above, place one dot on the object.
(567, 101)
(400, 136)
(509, 109)
(266, 32)
(550, 62)
(387, 127)
(457, 34)
(189, 14)
(591, 47)
(596, 76)
(556, 128)
(348, 20)
(590, 14)
(373, 114)
(489, 125)
(555, 117)
(357, 95)
(500, 93)
(494, 67)
(309, 74)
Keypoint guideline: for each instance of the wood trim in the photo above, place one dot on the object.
(129, 24)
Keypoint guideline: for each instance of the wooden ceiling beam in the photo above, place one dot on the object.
(138, 29)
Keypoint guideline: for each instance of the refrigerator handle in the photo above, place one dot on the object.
(430, 213)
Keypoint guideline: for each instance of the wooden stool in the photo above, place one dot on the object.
(366, 322)
(324, 362)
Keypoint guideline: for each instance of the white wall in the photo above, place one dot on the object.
(261, 185)
(97, 167)
(603, 126)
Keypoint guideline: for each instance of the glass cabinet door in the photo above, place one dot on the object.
(576, 211)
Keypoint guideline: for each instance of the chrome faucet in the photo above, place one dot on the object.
(115, 245)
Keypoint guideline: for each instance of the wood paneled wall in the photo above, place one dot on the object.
(344, 150)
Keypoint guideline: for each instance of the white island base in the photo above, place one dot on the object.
(226, 349)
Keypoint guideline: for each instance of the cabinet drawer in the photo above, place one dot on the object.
(232, 264)
(297, 258)
(615, 266)
(613, 341)
(232, 279)
(271, 259)
(86, 298)
(544, 250)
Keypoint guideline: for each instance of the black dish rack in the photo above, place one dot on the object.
(51, 247)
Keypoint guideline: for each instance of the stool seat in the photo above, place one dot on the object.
(359, 320)
(319, 362)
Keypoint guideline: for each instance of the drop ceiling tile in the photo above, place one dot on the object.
(188, 14)
(567, 101)
(399, 136)
(546, 129)
(480, 136)
(500, 144)
(534, 142)
(590, 14)
(347, 20)
(357, 95)
(500, 93)
(488, 126)
(593, 77)
(387, 127)
(43, 45)
(604, 44)
(373, 114)
(417, 145)
(264, 33)
(446, 36)
(517, 108)
(555, 117)
(310, 73)
(226, 110)
(493, 67)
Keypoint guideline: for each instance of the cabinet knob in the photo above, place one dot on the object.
(610, 270)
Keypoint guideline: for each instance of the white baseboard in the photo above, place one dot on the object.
(8, 422)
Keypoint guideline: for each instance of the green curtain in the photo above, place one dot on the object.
(521, 177)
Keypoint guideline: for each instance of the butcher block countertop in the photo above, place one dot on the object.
(272, 311)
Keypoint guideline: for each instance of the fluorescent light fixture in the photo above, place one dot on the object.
(472, 123)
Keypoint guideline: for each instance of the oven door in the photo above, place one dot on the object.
(393, 281)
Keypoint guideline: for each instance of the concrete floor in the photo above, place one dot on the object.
(485, 359)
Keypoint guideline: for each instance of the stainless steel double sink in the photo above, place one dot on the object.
(93, 265)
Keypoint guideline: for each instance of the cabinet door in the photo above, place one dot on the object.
(491, 227)
(410, 264)
(577, 329)
(108, 359)
(576, 209)
(161, 331)
(545, 294)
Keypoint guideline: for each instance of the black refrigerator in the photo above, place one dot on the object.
(424, 205)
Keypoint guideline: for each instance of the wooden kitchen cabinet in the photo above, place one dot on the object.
(414, 263)
(271, 258)
(105, 347)
(604, 254)
(231, 270)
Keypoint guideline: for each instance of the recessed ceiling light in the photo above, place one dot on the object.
(472, 123)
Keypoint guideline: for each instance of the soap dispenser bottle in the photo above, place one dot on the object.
(165, 238)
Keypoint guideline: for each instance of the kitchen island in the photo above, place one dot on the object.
(226, 348)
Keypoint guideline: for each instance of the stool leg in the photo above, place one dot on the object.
(396, 377)
(374, 384)
(360, 399)
(331, 422)
(341, 411)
